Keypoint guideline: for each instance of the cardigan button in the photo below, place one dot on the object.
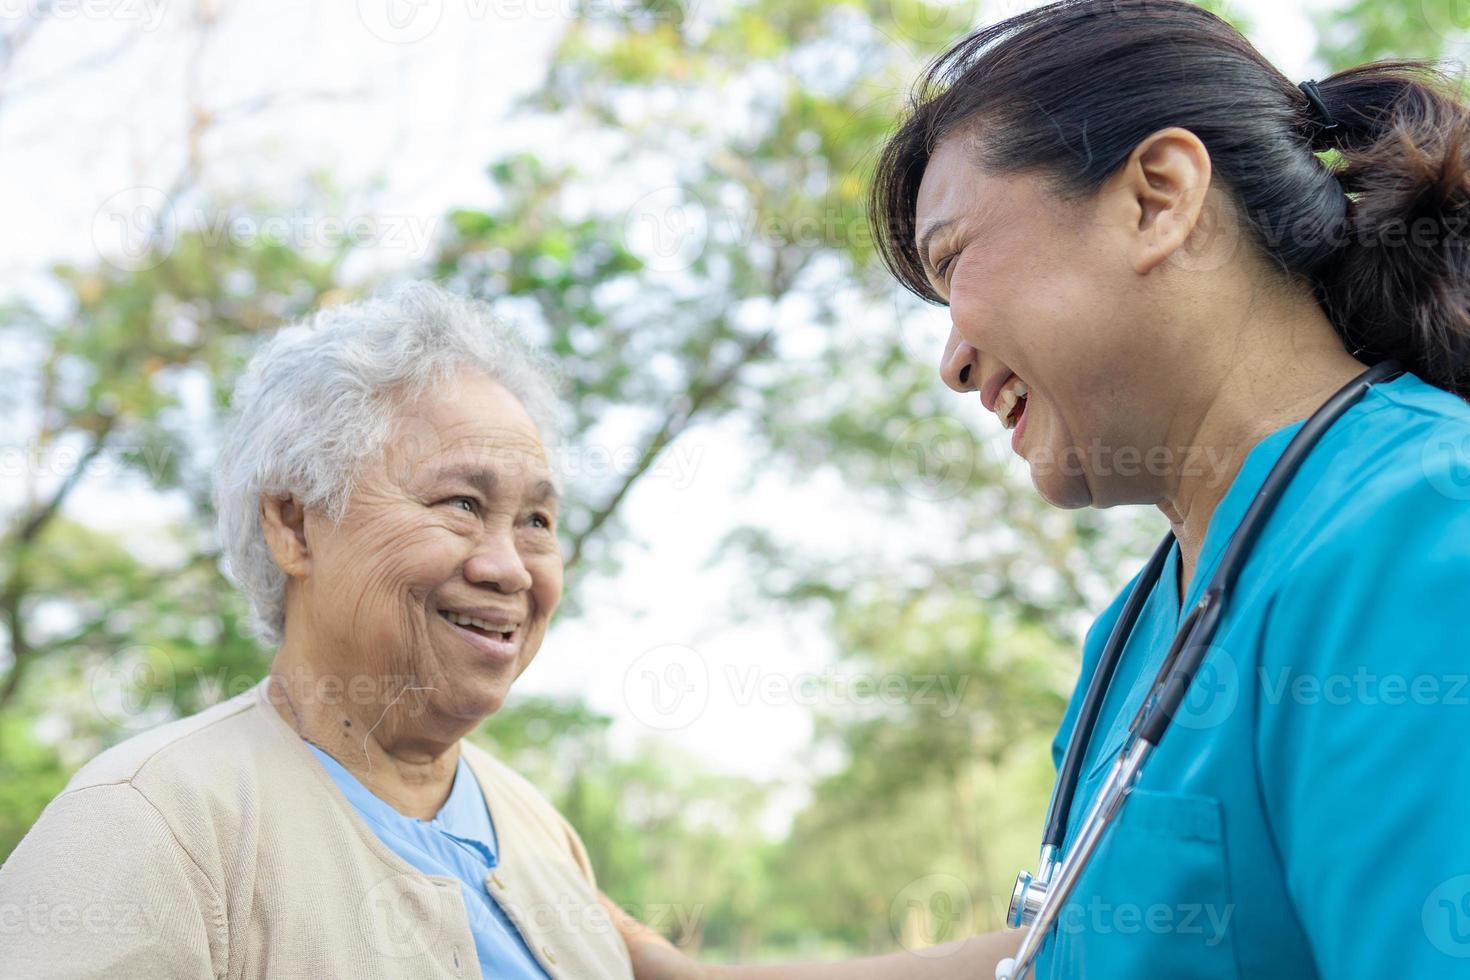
(497, 880)
(550, 956)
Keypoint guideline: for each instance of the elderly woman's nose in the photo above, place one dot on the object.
(959, 365)
(497, 562)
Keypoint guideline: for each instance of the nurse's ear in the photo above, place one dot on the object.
(1160, 205)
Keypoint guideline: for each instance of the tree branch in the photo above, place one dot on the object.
(700, 394)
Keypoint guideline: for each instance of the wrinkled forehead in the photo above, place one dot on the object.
(492, 474)
(476, 429)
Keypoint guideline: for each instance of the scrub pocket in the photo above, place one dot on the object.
(1155, 900)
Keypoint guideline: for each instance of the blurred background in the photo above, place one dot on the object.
(818, 628)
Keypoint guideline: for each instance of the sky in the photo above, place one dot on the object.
(403, 102)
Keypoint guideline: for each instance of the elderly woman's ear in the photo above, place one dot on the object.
(284, 522)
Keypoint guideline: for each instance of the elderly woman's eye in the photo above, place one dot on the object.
(541, 520)
(469, 503)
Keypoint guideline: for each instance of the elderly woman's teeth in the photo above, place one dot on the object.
(461, 620)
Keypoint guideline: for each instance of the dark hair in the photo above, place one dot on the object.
(1068, 90)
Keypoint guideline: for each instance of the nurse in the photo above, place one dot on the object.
(1153, 279)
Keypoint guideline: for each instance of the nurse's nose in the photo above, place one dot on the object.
(960, 364)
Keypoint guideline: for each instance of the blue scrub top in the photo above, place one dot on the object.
(1308, 813)
(459, 842)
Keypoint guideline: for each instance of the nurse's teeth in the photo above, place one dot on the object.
(1010, 395)
(1007, 403)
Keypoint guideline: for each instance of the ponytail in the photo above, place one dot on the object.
(1400, 285)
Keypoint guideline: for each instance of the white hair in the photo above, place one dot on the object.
(319, 399)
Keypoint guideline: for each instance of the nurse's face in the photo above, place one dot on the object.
(1047, 289)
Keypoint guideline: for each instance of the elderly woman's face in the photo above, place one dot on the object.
(446, 568)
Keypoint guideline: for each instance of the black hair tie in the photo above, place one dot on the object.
(1319, 108)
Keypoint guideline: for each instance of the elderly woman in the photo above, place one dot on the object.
(385, 502)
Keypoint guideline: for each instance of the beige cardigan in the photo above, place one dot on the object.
(218, 846)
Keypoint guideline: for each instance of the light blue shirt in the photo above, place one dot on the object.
(458, 842)
(1308, 813)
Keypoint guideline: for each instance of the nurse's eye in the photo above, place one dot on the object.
(944, 266)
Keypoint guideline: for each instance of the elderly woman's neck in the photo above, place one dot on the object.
(371, 728)
(1280, 370)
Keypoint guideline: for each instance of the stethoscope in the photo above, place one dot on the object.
(1037, 900)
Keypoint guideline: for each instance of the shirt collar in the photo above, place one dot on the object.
(464, 815)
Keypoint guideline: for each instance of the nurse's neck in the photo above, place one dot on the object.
(1278, 369)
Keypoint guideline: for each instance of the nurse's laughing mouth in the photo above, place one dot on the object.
(1005, 394)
